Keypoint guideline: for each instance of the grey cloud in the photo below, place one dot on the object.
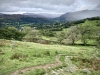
(32, 5)
(53, 2)
(92, 2)
(56, 6)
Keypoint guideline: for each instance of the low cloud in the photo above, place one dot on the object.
(49, 6)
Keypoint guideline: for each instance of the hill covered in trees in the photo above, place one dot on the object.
(40, 21)
(18, 19)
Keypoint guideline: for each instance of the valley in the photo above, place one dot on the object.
(72, 50)
(52, 37)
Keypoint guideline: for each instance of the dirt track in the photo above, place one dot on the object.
(53, 65)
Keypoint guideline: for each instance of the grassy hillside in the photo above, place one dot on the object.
(93, 23)
(25, 54)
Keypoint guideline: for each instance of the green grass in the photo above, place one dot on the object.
(35, 72)
(26, 54)
(93, 23)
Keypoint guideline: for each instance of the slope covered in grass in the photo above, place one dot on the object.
(93, 22)
(26, 54)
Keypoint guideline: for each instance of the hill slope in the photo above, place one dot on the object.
(79, 15)
(17, 19)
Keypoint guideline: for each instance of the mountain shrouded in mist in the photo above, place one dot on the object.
(79, 15)
(44, 10)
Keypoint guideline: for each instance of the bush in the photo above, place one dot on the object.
(18, 56)
(56, 53)
(47, 53)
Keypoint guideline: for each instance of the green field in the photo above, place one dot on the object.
(27, 54)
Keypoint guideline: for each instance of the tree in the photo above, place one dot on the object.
(33, 35)
(60, 36)
(73, 34)
(11, 32)
(26, 30)
(86, 33)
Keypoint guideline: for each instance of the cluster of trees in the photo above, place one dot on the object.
(93, 18)
(11, 33)
(85, 33)
(75, 32)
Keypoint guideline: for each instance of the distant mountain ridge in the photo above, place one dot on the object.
(41, 18)
(70, 16)
(17, 19)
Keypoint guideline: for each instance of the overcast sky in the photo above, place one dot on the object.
(46, 6)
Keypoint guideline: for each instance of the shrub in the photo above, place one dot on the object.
(47, 53)
(18, 56)
(56, 53)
